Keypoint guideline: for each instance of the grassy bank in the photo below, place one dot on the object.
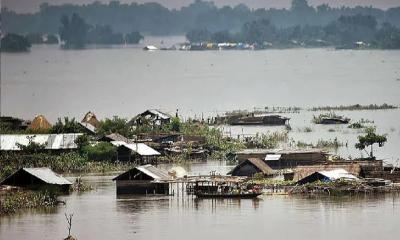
(70, 162)
(14, 201)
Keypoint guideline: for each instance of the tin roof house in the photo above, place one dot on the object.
(145, 179)
(37, 178)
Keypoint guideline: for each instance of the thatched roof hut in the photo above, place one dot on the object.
(91, 119)
(252, 166)
(301, 172)
(40, 123)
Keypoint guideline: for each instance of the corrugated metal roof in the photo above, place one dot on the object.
(88, 126)
(338, 174)
(149, 170)
(44, 174)
(8, 142)
(140, 148)
(159, 114)
(154, 172)
(272, 157)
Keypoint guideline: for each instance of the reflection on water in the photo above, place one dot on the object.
(99, 214)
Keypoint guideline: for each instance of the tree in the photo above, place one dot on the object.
(258, 31)
(15, 43)
(73, 31)
(32, 146)
(198, 35)
(369, 140)
(115, 125)
(82, 141)
(68, 126)
(388, 37)
(134, 37)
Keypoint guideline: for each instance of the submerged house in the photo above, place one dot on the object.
(328, 176)
(251, 166)
(135, 152)
(260, 120)
(37, 178)
(301, 172)
(145, 179)
(280, 159)
(151, 117)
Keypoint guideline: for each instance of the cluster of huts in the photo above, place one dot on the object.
(144, 148)
(310, 165)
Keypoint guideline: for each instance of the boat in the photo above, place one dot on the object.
(228, 195)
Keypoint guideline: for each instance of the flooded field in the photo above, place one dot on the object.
(100, 215)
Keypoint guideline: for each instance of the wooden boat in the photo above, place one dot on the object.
(227, 195)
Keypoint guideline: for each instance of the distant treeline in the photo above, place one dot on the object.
(155, 19)
(357, 31)
(74, 32)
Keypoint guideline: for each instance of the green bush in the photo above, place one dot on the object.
(102, 151)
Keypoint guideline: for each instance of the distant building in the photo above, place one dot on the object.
(251, 166)
(10, 142)
(37, 178)
(145, 179)
(152, 117)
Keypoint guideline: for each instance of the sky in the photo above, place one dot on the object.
(33, 5)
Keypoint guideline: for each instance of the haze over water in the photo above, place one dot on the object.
(125, 81)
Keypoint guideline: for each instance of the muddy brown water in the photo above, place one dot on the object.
(99, 214)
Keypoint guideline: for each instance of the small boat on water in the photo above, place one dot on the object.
(228, 195)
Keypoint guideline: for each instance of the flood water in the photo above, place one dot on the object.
(125, 81)
(99, 214)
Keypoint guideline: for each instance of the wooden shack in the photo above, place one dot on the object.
(252, 166)
(135, 152)
(261, 120)
(145, 179)
(37, 178)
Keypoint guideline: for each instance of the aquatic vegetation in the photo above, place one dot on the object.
(14, 201)
(354, 107)
(80, 186)
(356, 125)
(322, 144)
(269, 141)
(321, 117)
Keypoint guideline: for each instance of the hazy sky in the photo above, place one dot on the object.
(32, 5)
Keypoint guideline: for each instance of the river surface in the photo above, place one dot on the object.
(99, 214)
(126, 80)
